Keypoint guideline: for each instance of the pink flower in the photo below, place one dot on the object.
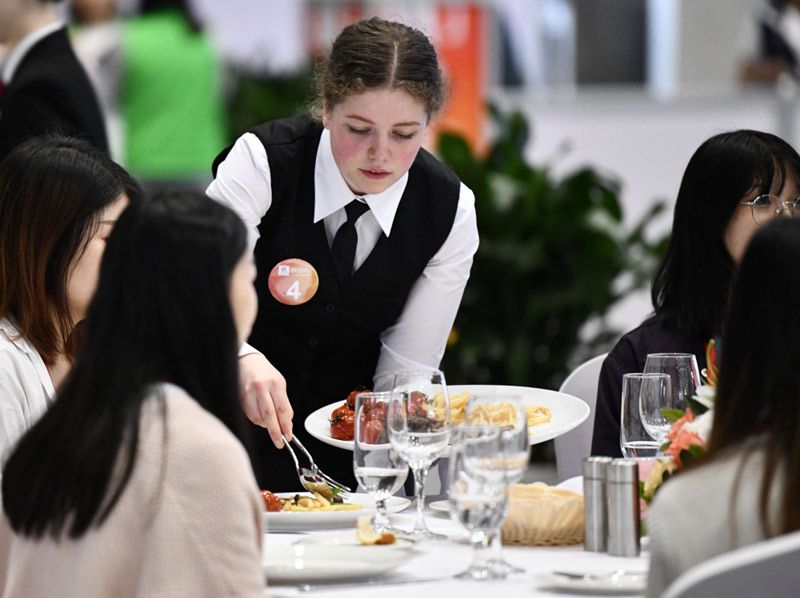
(682, 442)
(675, 428)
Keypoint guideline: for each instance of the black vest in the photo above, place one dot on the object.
(329, 345)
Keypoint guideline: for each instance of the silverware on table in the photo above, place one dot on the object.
(312, 477)
(602, 576)
(372, 581)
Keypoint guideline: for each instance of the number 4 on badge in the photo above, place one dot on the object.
(293, 281)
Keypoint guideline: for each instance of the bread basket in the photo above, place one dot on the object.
(543, 515)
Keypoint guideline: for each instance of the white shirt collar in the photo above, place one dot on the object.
(21, 49)
(331, 192)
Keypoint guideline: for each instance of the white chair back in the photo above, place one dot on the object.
(576, 444)
(768, 568)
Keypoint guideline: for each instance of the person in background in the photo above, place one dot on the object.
(136, 481)
(778, 43)
(43, 87)
(97, 41)
(378, 234)
(746, 487)
(734, 183)
(170, 97)
(59, 198)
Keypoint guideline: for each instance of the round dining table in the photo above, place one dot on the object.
(432, 568)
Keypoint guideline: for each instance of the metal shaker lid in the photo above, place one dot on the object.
(595, 467)
(621, 471)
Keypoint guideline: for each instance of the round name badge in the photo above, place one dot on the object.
(293, 281)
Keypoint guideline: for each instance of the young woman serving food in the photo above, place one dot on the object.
(363, 240)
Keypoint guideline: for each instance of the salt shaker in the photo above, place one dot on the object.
(622, 491)
(594, 503)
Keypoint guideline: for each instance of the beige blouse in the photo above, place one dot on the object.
(187, 524)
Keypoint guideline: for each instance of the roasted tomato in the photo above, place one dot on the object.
(342, 423)
(351, 398)
(271, 502)
(378, 412)
(417, 403)
(372, 432)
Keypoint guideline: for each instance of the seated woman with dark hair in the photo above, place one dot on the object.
(734, 183)
(747, 487)
(59, 199)
(135, 482)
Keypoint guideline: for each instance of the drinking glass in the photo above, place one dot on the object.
(508, 412)
(378, 467)
(478, 491)
(419, 430)
(634, 439)
(683, 372)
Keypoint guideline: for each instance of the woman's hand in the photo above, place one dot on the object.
(264, 396)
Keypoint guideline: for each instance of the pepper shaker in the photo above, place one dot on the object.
(622, 490)
(595, 508)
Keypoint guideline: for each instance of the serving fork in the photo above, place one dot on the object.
(312, 477)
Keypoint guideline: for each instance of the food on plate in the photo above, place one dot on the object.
(343, 417)
(537, 415)
(499, 414)
(306, 503)
(543, 515)
(271, 502)
(366, 534)
(322, 487)
(351, 398)
(343, 423)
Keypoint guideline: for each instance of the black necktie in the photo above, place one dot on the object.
(344, 243)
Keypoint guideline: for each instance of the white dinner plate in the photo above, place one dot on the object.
(341, 556)
(293, 521)
(440, 506)
(567, 412)
(596, 582)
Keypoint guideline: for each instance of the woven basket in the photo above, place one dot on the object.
(541, 515)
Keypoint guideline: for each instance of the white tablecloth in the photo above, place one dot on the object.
(440, 559)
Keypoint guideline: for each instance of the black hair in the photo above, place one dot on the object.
(758, 393)
(161, 312)
(692, 283)
(53, 190)
(182, 6)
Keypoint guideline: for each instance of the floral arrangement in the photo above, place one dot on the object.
(689, 432)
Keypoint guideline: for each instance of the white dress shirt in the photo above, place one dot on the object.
(26, 390)
(419, 336)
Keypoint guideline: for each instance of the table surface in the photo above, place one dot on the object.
(445, 559)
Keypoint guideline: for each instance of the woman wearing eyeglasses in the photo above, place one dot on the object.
(746, 486)
(734, 183)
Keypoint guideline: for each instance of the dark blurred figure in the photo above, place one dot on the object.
(96, 35)
(171, 97)
(42, 85)
(778, 45)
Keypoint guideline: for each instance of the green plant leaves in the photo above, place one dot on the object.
(553, 254)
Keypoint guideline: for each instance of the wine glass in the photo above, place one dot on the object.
(419, 430)
(654, 397)
(634, 439)
(683, 372)
(378, 467)
(478, 492)
(508, 412)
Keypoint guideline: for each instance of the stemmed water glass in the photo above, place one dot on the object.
(509, 413)
(378, 467)
(478, 491)
(419, 430)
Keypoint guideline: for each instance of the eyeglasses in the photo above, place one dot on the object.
(765, 207)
